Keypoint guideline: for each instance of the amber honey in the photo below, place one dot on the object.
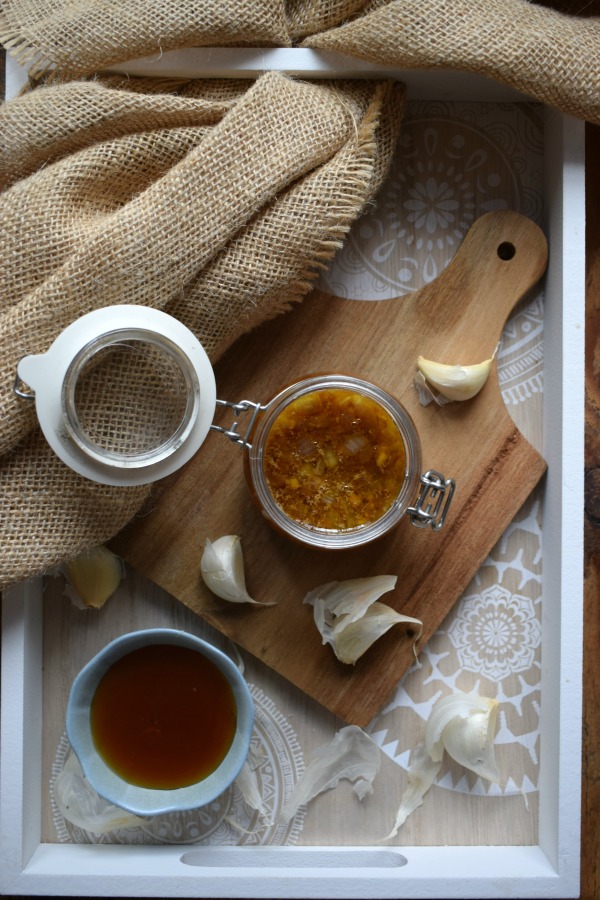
(163, 716)
(334, 459)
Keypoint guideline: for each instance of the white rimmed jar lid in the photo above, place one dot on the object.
(329, 538)
(177, 394)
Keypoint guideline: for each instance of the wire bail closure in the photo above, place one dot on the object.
(238, 408)
(433, 502)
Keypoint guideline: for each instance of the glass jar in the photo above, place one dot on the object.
(348, 464)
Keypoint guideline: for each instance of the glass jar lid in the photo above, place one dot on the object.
(125, 395)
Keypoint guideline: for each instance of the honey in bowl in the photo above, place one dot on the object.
(163, 716)
(334, 459)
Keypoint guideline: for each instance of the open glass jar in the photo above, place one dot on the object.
(126, 395)
(334, 461)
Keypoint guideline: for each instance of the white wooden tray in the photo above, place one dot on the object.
(548, 867)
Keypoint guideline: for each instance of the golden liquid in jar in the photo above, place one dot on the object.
(334, 459)
(163, 716)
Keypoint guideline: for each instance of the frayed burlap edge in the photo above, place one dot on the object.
(64, 523)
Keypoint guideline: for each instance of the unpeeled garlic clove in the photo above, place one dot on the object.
(222, 570)
(93, 577)
(455, 382)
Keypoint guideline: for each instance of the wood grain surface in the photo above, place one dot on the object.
(459, 317)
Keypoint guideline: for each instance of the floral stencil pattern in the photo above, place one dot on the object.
(454, 162)
(496, 633)
(490, 642)
(228, 819)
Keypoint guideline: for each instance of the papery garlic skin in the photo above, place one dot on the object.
(421, 775)
(79, 803)
(248, 785)
(462, 725)
(222, 570)
(455, 382)
(351, 755)
(356, 637)
(93, 577)
(338, 603)
(349, 617)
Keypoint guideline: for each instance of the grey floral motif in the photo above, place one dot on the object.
(496, 633)
(431, 205)
(452, 165)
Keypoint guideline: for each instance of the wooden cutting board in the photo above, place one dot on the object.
(458, 318)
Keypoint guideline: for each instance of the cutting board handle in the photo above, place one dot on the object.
(503, 255)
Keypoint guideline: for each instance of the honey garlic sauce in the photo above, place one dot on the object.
(334, 459)
(163, 716)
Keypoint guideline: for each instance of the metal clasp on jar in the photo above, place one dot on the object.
(238, 408)
(433, 502)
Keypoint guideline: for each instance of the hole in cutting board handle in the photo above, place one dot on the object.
(506, 250)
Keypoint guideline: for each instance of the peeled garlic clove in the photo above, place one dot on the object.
(455, 382)
(93, 577)
(222, 569)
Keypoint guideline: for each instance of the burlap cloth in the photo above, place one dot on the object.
(217, 201)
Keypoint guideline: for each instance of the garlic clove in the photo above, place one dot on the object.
(222, 570)
(462, 725)
(93, 577)
(455, 382)
(468, 737)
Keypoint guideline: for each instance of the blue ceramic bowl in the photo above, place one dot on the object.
(108, 784)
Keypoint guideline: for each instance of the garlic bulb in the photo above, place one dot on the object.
(463, 726)
(222, 569)
(93, 577)
(455, 382)
(349, 617)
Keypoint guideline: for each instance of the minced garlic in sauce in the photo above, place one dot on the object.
(334, 459)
